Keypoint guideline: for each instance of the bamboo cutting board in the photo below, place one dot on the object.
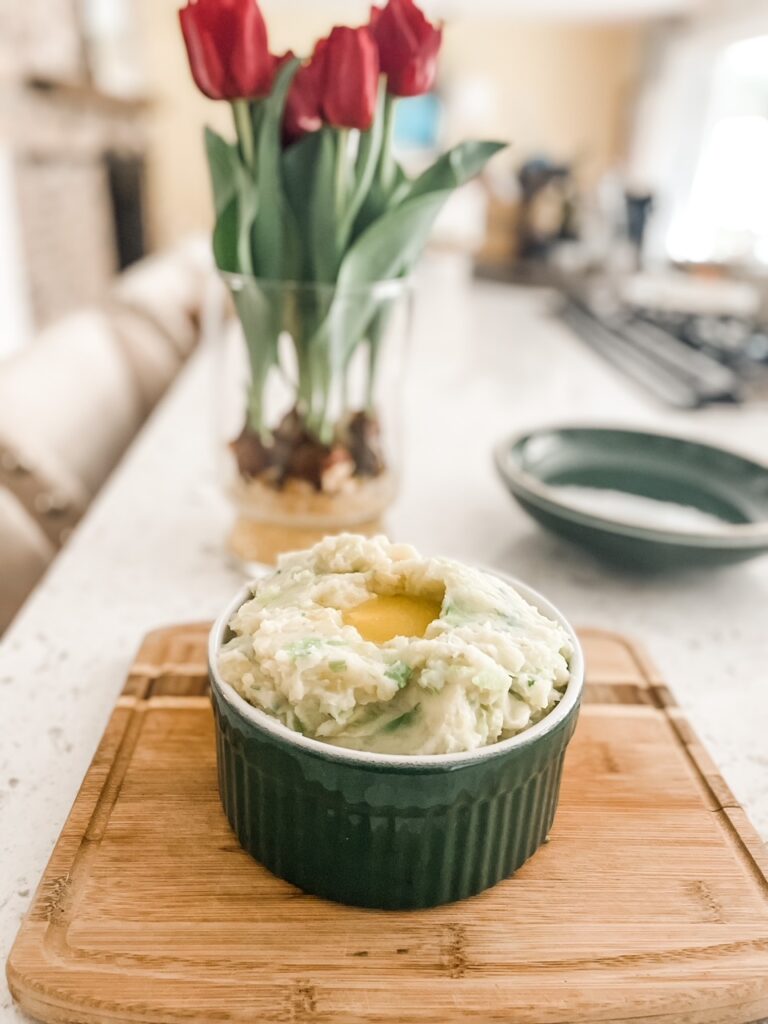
(649, 903)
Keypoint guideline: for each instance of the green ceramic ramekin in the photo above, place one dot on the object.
(381, 830)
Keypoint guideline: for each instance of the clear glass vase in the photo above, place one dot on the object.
(310, 410)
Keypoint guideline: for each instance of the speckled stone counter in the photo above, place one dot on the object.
(487, 361)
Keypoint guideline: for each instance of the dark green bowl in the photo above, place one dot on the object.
(378, 830)
(538, 467)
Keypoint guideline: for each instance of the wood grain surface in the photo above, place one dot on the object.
(649, 902)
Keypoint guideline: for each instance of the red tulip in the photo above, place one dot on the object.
(303, 107)
(227, 48)
(408, 47)
(351, 78)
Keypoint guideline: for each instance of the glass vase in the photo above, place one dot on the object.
(310, 409)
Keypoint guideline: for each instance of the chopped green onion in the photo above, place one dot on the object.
(400, 673)
(404, 719)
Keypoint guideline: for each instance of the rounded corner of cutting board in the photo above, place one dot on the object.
(13, 976)
(23, 982)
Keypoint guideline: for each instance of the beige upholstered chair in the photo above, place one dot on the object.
(72, 401)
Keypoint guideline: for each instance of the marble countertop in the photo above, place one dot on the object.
(488, 360)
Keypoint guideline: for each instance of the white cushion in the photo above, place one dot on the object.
(168, 289)
(71, 394)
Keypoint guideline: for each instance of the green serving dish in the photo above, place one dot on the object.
(538, 468)
(387, 831)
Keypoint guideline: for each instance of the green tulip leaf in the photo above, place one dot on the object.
(322, 215)
(236, 203)
(391, 245)
(268, 226)
(248, 203)
(387, 249)
(454, 168)
(380, 198)
(258, 309)
(225, 235)
(223, 159)
(263, 242)
(300, 161)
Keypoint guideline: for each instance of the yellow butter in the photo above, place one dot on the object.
(382, 618)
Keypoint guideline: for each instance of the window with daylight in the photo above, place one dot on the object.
(725, 218)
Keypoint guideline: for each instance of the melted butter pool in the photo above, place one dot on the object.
(383, 617)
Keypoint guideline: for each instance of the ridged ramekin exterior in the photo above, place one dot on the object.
(375, 835)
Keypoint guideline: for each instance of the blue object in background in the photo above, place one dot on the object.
(417, 122)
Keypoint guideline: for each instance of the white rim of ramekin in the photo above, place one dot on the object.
(266, 723)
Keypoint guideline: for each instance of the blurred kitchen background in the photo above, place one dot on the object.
(636, 187)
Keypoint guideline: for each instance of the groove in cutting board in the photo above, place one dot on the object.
(649, 903)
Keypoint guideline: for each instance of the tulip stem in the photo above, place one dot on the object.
(388, 167)
(342, 167)
(241, 111)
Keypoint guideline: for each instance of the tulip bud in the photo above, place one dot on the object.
(303, 107)
(351, 78)
(408, 45)
(227, 48)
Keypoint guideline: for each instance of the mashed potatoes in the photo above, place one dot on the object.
(364, 644)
